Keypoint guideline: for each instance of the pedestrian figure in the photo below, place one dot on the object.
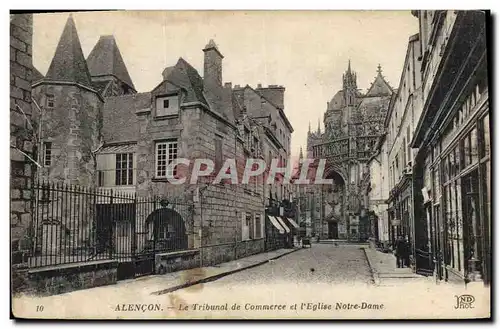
(399, 252)
(406, 252)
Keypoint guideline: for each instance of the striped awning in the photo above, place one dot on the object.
(276, 224)
(282, 222)
(294, 224)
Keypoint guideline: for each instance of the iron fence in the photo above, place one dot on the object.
(72, 224)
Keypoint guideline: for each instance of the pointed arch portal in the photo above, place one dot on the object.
(334, 204)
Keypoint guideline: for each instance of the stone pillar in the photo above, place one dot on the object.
(21, 132)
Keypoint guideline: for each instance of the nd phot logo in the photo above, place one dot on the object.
(464, 301)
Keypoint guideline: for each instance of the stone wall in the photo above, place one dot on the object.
(176, 261)
(211, 255)
(21, 172)
(62, 279)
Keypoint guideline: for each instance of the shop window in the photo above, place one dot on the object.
(451, 159)
(466, 150)
(446, 171)
(486, 200)
(472, 220)
(459, 220)
(457, 159)
(437, 186)
(451, 228)
(474, 155)
(485, 144)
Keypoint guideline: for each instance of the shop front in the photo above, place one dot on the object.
(465, 168)
(453, 165)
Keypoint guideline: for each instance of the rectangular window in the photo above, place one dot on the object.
(100, 178)
(408, 141)
(485, 139)
(218, 154)
(446, 169)
(124, 170)
(50, 101)
(258, 226)
(397, 165)
(250, 224)
(47, 154)
(474, 155)
(245, 226)
(166, 152)
(167, 106)
(403, 146)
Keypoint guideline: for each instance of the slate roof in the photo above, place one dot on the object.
(186, 77)
(100, 86)
(337, 102)
(68, 63)
(106, 59)
(35, 74)
(379, 87)
(120, 122)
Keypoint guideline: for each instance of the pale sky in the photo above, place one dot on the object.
(305, 51)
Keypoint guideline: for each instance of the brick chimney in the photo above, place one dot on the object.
(274, 93)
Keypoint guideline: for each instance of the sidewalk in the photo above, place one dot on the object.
(385, 272)
(165, 283)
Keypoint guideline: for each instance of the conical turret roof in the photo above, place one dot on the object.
(106, 59)
(68, 63)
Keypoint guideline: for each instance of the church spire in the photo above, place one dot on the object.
(301, 154)
(68, 63)
(349, 78)
(309, 131)
(379, 69)
(319, 127)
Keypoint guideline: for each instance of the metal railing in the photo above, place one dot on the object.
(72, 224)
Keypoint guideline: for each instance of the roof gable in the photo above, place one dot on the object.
(106, 59)
(68, 63)
(379, 87)
(186, 77)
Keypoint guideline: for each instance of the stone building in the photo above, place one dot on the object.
(122, 140)
(353, 124)
(404, 111)
(452, 167)
(265, 108)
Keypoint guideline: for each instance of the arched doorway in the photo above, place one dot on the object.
(333, 207)
(167, 231)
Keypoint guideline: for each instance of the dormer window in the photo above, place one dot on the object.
(167, 105)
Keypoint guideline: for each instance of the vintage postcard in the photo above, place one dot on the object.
(250, 165)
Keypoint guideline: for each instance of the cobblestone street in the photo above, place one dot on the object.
(323, 263)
